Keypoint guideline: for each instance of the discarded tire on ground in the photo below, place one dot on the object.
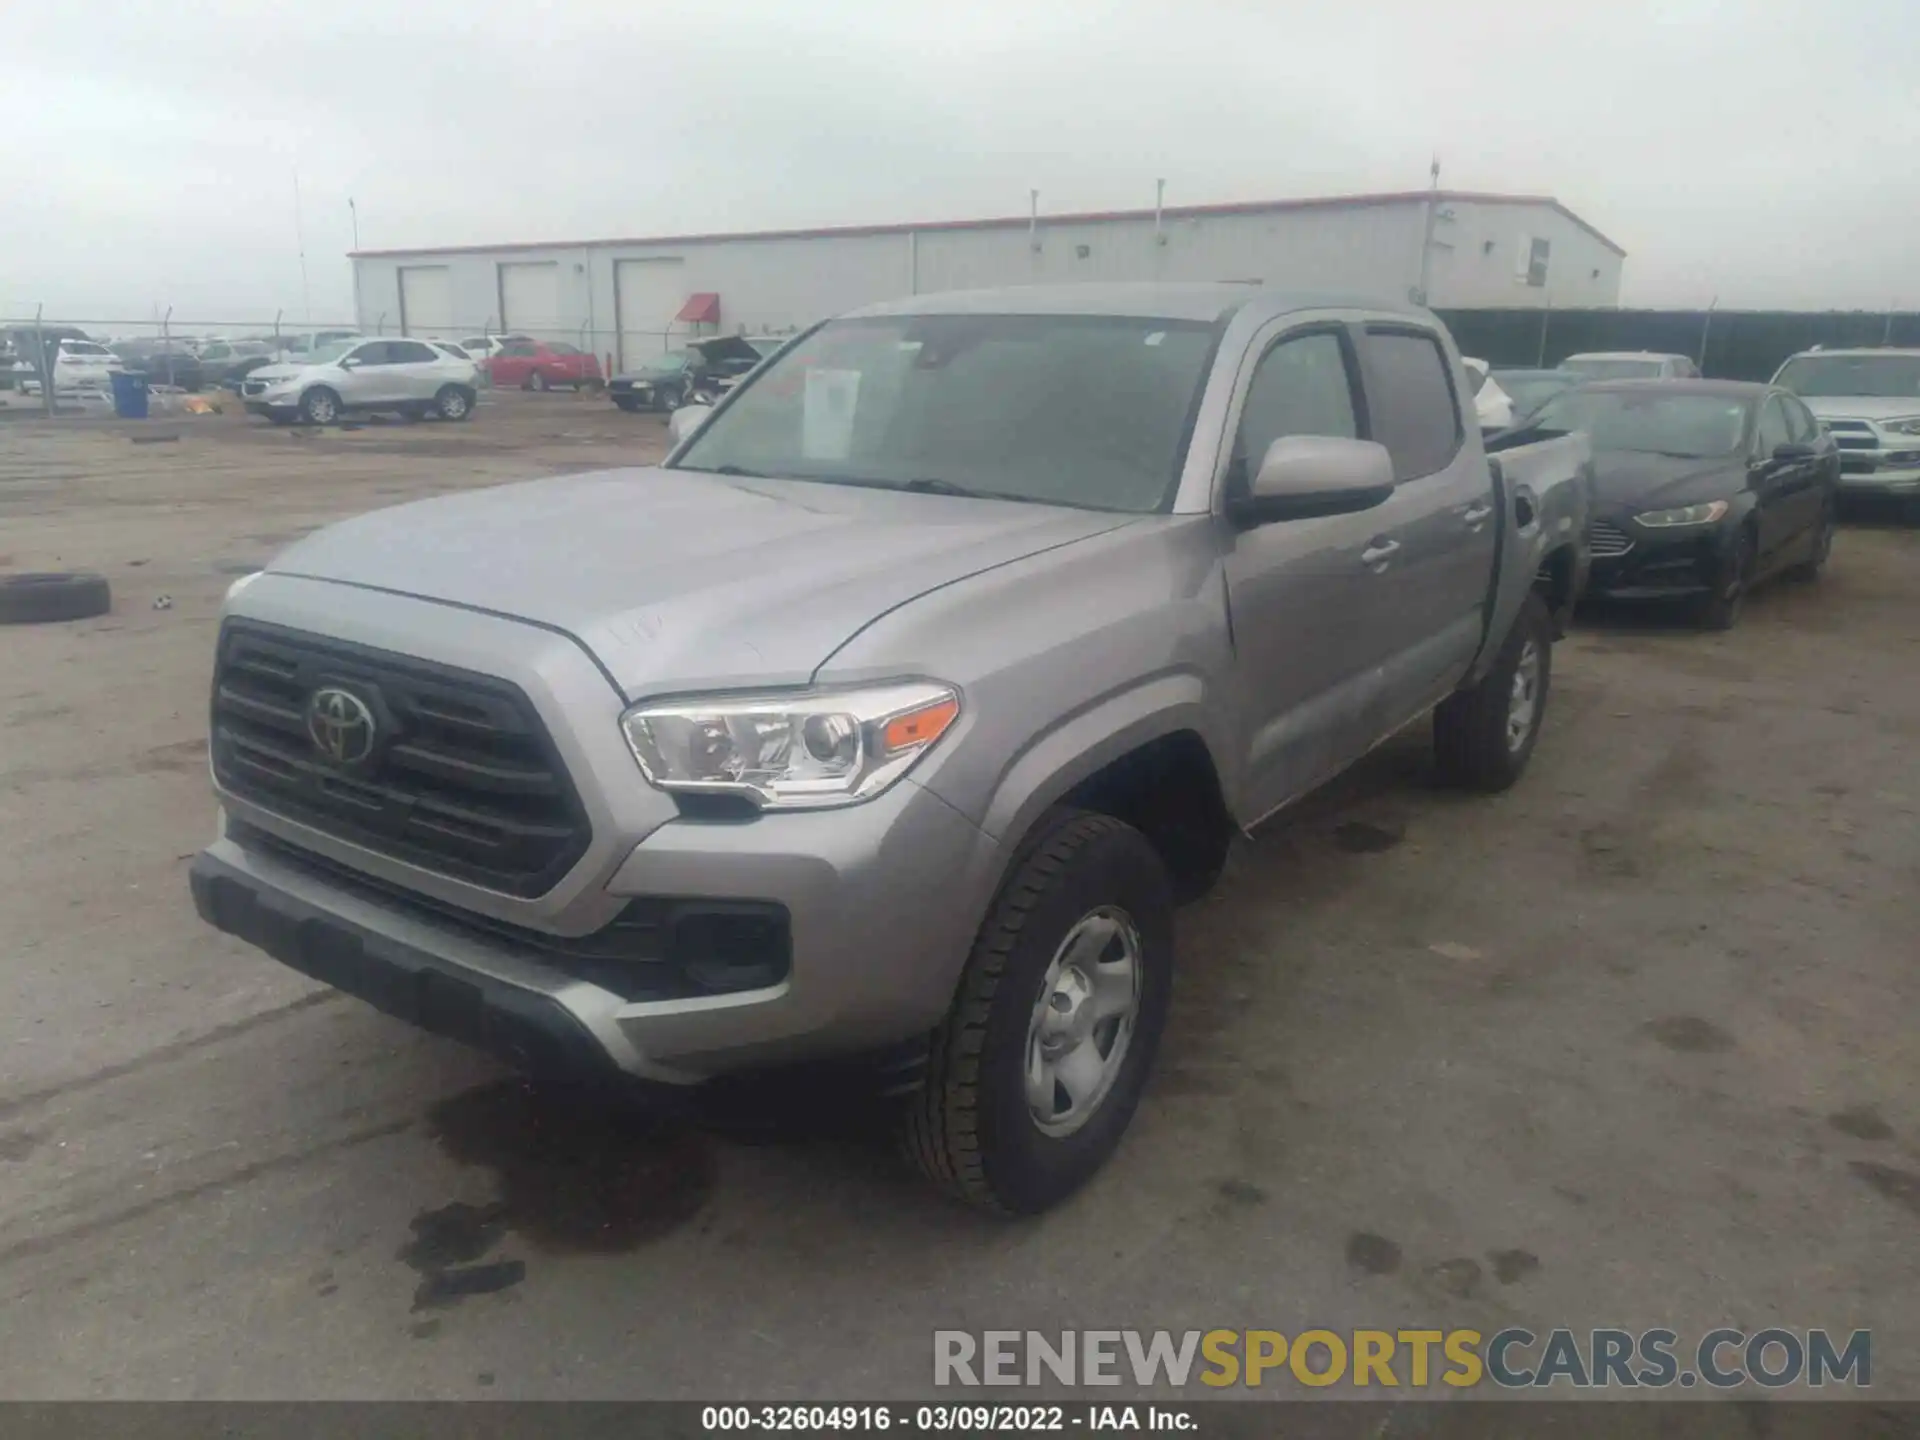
(36, 599)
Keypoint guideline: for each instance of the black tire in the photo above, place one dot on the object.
(320, 406)
(454, 402)
(538, 381)
(969, 1129)
(671, 399)
(37, 599)
(1809, 569)
(1473, 745)
(630, 406)
(1721, 608)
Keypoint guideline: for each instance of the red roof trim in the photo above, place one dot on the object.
(702, 308)
(1171, 212)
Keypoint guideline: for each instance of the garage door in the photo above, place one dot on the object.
(530, 300)
(646, 293)
(426, 300)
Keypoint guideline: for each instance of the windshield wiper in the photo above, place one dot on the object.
(738, 471)
(933, 485)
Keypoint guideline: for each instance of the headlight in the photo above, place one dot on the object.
(1686, 515)
(1902, 427)
(791, 752)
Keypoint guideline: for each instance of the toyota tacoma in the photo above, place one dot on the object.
(889, 718)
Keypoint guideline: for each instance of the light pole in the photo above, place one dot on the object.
(354, 261)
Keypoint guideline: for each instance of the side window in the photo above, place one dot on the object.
(373, 353)
(1303, 386)
(409, 352)
(1411, 401)
(1801, 425)
(1773, 425)
(560, 347)
(474, 344)
(518, 347)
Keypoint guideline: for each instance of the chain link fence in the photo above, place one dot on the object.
(1726, 344)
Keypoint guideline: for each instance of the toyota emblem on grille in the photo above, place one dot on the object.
(340, 725)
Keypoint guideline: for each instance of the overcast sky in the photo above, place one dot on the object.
(1757, 150)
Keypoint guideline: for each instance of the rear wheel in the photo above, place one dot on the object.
(1483, 737)
(453, 403)
(1721, 608)
(538, 381)
(1035, 1073)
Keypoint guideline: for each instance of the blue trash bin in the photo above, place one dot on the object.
(129, 395)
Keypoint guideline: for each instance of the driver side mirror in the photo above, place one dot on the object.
(1302, 476)
(350, 362)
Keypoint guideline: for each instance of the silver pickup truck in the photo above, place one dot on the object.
(892, 715)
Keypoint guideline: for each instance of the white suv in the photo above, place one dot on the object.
(1870, 400)
(78, 365)
(408, 377)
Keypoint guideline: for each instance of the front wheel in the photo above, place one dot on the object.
(452, 403)
(320, 406)
(1035, 1073)
(537, 381)
(1721, 607)
(1483, 737)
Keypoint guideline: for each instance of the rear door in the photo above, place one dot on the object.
(1782, 487)
(1309, 695)
(416, 368)
(1434, 541)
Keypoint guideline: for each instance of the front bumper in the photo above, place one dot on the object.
(883, 898)
(1669, 564)
(1887, 471)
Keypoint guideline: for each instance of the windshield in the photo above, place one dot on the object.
(1613, 369)
(1088, 411)
(1881, 377)
(328, 353)
(1651, 421)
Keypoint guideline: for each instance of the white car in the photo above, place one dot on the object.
(407, 377)
(1630, 365)
(77, 365)
(1491, 404)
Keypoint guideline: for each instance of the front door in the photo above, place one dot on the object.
(1308, 674)
(1778, 485)
(365, 377)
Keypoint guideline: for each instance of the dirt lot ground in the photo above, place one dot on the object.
(1632, 1045)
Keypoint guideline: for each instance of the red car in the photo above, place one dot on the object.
(542, 364)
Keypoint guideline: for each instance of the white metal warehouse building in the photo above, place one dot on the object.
(632, 298)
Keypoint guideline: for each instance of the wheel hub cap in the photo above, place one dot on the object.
(1083, 1020)
(1524, 700)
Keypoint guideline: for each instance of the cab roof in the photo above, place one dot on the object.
(1207, 303)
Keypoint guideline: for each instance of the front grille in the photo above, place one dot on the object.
(461, 776)
(657, 948)
(254, 387)
(1607, 541)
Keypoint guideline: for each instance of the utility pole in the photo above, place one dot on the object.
(1426, 231)
(1706, 329)
(300, 240)
(354, 211)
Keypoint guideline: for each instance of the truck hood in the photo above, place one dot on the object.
(1863, 407)
(678, 581)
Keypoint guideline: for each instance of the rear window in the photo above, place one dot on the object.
(1410, 401)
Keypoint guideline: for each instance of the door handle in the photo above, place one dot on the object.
(1476, 515)
(1379, 552)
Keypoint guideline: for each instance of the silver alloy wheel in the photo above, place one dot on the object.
(453, 405)
(1524, 700)
(320, 409)
(1083, 1021)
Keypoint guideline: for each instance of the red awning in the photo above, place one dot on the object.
(701, 309)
